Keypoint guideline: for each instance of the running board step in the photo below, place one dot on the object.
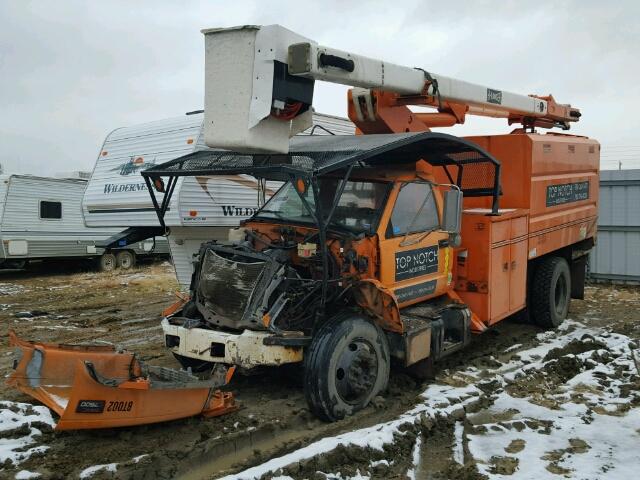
(449, 330)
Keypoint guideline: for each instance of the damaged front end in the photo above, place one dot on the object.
(237, 289)
(248, 308)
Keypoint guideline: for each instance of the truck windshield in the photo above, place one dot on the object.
(358, 209)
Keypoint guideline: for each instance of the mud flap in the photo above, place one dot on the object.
(578, 274)
(99, 387)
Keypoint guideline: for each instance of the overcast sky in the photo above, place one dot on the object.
(72, 71)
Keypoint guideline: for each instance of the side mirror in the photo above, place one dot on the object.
(452, 211)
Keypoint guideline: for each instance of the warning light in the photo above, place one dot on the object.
(301, 186)
(189, 141)
(193, 213)
(105, 153)
(159, 184)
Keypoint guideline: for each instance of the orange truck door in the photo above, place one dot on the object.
(415, 259)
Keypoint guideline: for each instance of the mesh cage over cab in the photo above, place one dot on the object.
(474, 170)
(471, 172)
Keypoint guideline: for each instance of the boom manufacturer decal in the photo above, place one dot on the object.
(494, 96)
(90, 406)
(405, 294)
(415, 263)
(567, 193)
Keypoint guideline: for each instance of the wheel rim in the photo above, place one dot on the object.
(108, 263)
(126, 261)
(560, 294)
(356, 371)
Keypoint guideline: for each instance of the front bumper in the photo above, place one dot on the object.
(246, 349)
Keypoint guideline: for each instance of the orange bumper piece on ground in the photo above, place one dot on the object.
(99, 387)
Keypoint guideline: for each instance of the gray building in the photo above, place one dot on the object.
(617, 253)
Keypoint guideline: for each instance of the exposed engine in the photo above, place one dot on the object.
(238, 287)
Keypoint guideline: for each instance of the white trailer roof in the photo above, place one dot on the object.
(117, 195)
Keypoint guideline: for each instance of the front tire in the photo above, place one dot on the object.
(346, 366)
(551, 292)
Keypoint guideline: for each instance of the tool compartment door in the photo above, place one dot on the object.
(517, 275)
(493, 281)
(415, 257)
(499, 284)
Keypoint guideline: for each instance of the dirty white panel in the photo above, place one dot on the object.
(25, 233)
(184, 242)
(117, 196)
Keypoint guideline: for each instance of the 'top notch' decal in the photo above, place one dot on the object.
(415, 263)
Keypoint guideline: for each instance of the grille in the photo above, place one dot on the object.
(225, 288)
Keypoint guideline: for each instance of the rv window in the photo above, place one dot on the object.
(50, 210)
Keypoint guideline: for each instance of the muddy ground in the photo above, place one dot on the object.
(73, 306)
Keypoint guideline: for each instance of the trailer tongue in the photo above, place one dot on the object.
(96, 386)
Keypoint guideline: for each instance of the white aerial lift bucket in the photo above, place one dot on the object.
(244, 69)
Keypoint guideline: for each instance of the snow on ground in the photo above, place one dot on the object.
(458, 446)
(581, 429)
(415, 463)
(566, 407)
(10, 289)
(20, 426)
(26, 475)
(91, 471)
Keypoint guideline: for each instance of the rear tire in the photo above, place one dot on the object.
(346, 366)
(107, 262)
(125, 260)
(551, 292)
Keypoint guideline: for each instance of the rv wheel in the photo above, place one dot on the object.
(107, 262)
(346, 366)
(125, 260)
(551, 292)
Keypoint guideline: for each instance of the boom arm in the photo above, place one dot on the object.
(259, 90)
(314, 61)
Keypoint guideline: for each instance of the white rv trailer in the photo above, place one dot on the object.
(201, 208)
(41, 218)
